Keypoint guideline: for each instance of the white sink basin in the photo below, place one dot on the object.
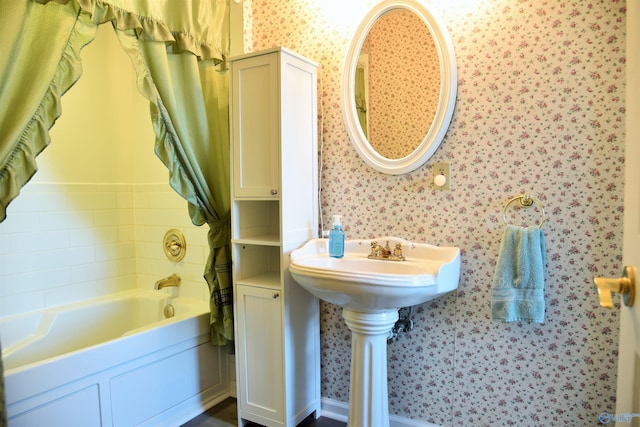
(372, 285)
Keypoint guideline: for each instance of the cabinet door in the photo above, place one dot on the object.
(255, 130)
(260, 353)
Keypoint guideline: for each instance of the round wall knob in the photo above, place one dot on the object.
(274, 192)
(440, 180)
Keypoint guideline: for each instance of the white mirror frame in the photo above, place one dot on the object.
(446, 103)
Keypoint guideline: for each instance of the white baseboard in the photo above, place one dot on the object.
(339, 411)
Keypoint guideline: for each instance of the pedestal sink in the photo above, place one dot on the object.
(370, 292)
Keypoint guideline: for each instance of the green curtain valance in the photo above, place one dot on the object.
(199, 27)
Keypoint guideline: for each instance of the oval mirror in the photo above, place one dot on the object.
(399, 86)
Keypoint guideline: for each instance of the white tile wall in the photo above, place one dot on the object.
(158, 208)
(63, 243)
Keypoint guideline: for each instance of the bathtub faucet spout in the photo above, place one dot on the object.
(173, 280)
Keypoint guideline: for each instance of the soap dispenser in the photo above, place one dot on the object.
(336, 239)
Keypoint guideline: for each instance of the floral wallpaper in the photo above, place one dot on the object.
(401, 106)
(540, 109)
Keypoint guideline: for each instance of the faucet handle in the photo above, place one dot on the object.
(374, 248)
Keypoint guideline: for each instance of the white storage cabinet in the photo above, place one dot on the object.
(273, 109)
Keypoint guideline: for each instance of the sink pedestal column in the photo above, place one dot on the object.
(368, 398)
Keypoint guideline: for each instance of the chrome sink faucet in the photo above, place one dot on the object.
(173, 280)
(385, 253)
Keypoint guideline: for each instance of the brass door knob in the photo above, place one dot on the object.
(625, 285)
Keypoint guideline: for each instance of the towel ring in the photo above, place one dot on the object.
(525, 200)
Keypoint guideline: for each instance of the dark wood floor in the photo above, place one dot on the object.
(225, 415)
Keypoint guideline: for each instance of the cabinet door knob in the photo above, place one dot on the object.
(274, 192)
(276, 295)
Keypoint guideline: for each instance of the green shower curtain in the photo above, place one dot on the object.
(187, 85)
(177, 49)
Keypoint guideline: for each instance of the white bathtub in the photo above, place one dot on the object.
(112, 361)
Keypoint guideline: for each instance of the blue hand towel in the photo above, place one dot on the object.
(518, 282)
